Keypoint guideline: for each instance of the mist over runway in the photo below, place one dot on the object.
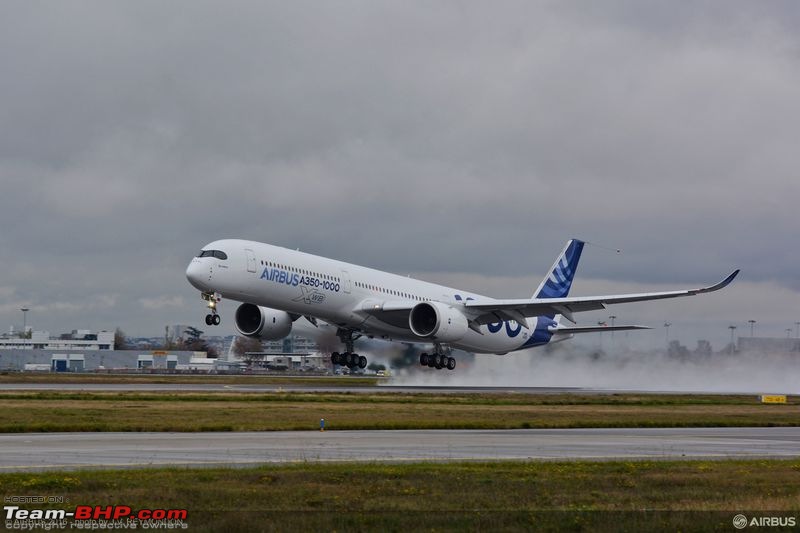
(570, 366)
(54, 451)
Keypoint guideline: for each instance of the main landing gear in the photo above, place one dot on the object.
(348, 358)
(213, 298)
(439, 359)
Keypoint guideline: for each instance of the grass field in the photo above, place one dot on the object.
(504, 496)
(130, 411)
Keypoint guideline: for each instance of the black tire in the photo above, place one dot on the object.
(216, 319)
(423, 359)
(349, 359)
(451, 363)
(335, 358)
(362, 361)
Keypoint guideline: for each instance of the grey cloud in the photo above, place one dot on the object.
(452, 137)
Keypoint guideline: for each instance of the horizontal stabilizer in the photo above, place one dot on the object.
(565, 330)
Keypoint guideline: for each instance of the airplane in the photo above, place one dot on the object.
(277, 286)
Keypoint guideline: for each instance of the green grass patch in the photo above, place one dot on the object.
(579, 496)
(188, 412)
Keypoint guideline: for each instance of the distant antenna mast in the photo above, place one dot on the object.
(24, 320)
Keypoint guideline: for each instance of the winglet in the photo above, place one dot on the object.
(721, 285)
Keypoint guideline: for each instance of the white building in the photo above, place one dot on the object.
(77, 340)
(291, 344)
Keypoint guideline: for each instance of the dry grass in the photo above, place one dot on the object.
(55, 411)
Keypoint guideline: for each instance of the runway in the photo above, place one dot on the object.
(314, 388)
(54, 451)
(262, 388)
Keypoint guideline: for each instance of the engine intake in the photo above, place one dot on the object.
(262, 322)
(437, 321)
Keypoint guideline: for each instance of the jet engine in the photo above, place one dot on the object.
(262, 322)
(437, 321)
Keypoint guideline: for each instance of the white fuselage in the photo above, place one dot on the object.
(342, 293)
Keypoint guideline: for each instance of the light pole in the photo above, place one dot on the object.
(752, 323)
(24, 319)
(666, 327)
(733, 330)
(613, 318)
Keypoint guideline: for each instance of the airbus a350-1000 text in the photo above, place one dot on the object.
(278, 286)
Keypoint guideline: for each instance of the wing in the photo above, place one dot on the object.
(497, 310)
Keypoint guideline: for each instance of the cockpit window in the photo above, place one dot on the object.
(213, 253)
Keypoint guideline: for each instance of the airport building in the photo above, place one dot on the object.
(72, 360)
(313, 361)
(291, 344)
(776, 345)
(79, 339)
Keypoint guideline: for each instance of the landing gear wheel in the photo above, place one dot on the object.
(212, 300)
(335, 358)
(362, 361)
(348, 358)
(423, 359)
(451, 363)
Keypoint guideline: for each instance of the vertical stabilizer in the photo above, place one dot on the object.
(558, 282)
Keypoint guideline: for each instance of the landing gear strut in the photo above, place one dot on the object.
(348, 358)
(212, 299)
(439, 359)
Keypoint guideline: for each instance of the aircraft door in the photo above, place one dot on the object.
(345, 282)
(251, 260)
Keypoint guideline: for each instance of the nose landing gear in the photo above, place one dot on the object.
(212, 299)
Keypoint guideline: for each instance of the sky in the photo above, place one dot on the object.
(459, 142)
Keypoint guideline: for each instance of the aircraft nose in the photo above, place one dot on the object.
(194, 273)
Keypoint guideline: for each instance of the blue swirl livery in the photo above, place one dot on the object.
(559, 281)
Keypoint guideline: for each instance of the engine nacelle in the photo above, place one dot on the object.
(262, 322)
(437, 321)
